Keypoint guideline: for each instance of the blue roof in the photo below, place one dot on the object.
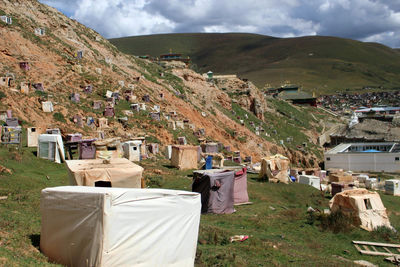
(371, 151)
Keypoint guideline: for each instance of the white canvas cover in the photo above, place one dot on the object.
(180, 124)
(365, 207)
(169, 151)
(47, 106)
(33, 136)
(109, 94)
(51, 147)
(392, 187)
(184, 157)
(97, 226)
(132, 150)
(25, 87)
(109, 148)
(312, 180)
(120, 172)
(275, 168)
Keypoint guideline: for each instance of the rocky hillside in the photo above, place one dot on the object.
(42, 46)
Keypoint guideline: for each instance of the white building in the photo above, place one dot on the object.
(359, 157)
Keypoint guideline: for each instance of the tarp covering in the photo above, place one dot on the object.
(275, 167)
(216, 190)
(51, 147)
(365, 207)
(184, 157)
(240, 189)
(87, 150)
(47, 106)
(240, 194)
(312, 180)
(103, 146)
(210, 148)
(120, 172)
(94, 226)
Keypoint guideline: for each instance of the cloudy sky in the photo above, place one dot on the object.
(365, 20)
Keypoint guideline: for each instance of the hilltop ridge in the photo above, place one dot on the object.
(322, 64)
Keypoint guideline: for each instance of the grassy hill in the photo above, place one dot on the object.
(281, 233)
(318, 63)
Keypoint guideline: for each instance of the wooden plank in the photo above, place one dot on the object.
(387, 249)
(244, 203)
(60, 152)
(393, 260)
(376, 244)
(358, 248)
(366, 248)
(69, 153)
(374, 248)
(375, 253)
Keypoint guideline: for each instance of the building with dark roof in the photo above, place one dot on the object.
(298, 97)
(174, 57)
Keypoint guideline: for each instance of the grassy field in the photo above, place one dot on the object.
(281, 233)
(318, 63)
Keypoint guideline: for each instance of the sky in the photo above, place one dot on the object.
(364, 20)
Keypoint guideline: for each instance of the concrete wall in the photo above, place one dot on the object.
(325, 137)
(229, 76)
(363, 162)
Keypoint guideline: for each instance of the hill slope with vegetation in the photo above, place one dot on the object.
(318, 63)
(53, 61)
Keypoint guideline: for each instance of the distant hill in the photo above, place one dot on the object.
(318, 63)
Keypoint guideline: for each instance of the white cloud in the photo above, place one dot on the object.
(357, 19)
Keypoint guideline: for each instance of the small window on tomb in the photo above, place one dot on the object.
(102, 184)
(367, 203)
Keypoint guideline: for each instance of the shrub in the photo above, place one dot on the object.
(230, 163)
(384, 232)
(336, 222)
(59, 117)
(152, 139)
(2, 95)
(154, 181)
(40, 93)
(213, 235)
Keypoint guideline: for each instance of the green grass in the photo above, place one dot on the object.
(318, 63)
(291, 122)
(59, 117)
(299, 116)
(187, 133)
(279, 229)
(19, 214)
(241, 113)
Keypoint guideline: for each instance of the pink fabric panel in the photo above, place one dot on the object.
(240, 188)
